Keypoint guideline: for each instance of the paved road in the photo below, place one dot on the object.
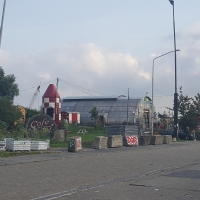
(140, 173)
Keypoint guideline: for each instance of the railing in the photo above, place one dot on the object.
(121, 130)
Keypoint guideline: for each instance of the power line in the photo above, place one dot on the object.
(164, 96)
(36, 86)
(82, 89)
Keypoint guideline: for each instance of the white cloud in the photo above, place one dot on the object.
(46, 76)
(92, 70)
(145, 75)
(192, 31)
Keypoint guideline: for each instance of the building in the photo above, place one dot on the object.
(51, 104)
(71, 117)
(111, 110)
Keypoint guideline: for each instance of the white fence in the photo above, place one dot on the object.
(2, 145)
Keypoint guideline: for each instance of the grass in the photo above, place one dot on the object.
(17, 153)
(85, 138)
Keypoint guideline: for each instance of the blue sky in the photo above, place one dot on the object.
(102, 46)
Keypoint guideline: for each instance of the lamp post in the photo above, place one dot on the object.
(152, 114)
(2, 19)
(175, 135)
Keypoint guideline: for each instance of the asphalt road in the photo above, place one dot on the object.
(133, 173)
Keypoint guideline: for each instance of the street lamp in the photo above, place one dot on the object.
(152, 114)
(175, 93)
(2, 19)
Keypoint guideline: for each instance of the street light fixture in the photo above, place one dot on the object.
(175, 135)
(2, 19)
(152, 114)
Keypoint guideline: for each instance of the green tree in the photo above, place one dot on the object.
(8, 90)
(8, 87)
(187, 111)
(8, 112)
(94, 114)
(31, 112)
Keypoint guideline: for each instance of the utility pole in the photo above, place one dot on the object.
(127, 106)
(2, 19)
(57, 84)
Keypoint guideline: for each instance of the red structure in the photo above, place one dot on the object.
(51, 104)
(71, 117)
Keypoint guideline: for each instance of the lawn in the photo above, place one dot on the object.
(86, 138)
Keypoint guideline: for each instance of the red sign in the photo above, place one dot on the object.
(132, 140)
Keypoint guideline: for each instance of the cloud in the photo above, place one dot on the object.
(88, 69)
(145, 75)
(192, 32)
(83, 70)
(46, 76)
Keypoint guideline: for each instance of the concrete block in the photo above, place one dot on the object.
(115, 141)
(60, 135)
(75, 144)
(130, 140)
(100, 142)
(167, 139)
(144, 140)
(156, 139)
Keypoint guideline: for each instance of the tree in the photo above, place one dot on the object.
(188, 109)
(8, 86)
(8, 90)
(31, 112)
(94, 114)
(8, 112)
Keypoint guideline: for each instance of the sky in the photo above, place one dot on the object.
(101, 48)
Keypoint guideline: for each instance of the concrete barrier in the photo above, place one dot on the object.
(144, 140)
(114, 141)
(100, 142)
(156, 139)
(130, 140)
(167, 139)
(75, 144)
(59, 135)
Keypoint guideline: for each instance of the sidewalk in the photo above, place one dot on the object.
(58, 153)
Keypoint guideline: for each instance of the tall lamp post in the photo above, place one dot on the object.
(2, 19)
(175, 135)
(152, 114)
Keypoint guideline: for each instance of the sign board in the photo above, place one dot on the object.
(42, 122)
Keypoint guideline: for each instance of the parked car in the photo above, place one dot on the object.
(167, 132)
(181, 134)
(186, 136)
